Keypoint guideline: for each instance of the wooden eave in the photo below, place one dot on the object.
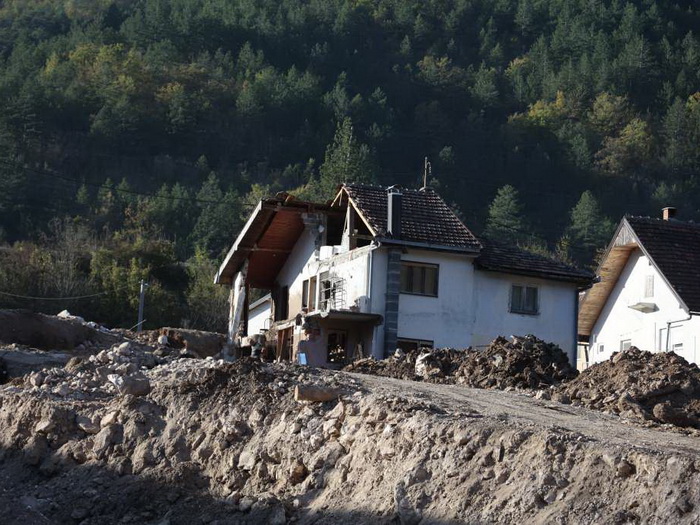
(616, 256)
(266, 240)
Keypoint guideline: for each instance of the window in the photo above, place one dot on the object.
(601, 349)
(524, 299)
(625, 344)
(413, 344)
(337, 345)
(649, 286)
(312, 293)
(305, 294)
(419, 278)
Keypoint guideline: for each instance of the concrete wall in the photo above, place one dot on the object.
(646, 331)
(555, 322)
(446, 319)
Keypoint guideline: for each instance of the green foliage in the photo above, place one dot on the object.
(207, 302)
(589, 230)
(506, 221)
(347, 160)
(120, 112)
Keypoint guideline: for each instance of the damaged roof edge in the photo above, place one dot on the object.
(227, 260)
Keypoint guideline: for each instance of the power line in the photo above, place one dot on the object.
(18, 296)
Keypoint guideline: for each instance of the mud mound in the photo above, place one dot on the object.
(399, 367)
(655, 387)
(525, 362)
(47, 332)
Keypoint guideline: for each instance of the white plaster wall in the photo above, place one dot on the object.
(444, 319)
(259, 318)
(618, 322)
(297, 268)
(378, 299)
(556, 321)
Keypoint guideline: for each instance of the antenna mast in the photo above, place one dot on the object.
(427, 170)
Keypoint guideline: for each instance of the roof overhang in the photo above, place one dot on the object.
(613, 262)
(267, 239)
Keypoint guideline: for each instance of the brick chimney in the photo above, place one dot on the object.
(668, 213)
(393, 215)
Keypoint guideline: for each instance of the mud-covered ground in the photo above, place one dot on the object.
(216, 442)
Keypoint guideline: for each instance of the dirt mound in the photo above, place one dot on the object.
(48, 332)
(201, 344)
(656, 387)
(226, 443)
(525, 362)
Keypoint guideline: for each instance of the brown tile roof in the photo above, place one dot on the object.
(501, 257)
(674, 248)
(425, 217)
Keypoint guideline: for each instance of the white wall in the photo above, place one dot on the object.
(618, 322)
(446, 319)
(555, 322)
(259, 317)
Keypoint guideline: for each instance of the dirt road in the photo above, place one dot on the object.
(527, 411)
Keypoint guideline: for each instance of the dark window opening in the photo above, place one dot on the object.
(413, 344)
(334, 232)
(524, 300)
(337, 343)
(419, 279)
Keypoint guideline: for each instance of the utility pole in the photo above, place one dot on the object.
(142, 297)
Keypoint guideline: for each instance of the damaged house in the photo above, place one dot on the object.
(378, 269)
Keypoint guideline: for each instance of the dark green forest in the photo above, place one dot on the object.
(136, 135)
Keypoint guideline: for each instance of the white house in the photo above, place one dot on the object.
(648, 293)
(378, 269)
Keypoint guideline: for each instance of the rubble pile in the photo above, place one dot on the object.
(48, 332)
(216, 442)
(644, 386)
(525, 362)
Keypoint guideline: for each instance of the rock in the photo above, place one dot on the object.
(462, 437)
(298, 473)
(277, 516)
(247, 460)
(87, 425)
(44, 426)
(135, 385)
(163, 340)
(246, 503)
(109, 418)
(625, 469)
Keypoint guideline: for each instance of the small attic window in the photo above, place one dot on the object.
(649, 286)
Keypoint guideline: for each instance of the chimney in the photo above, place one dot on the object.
(668, 213)
(393, 216)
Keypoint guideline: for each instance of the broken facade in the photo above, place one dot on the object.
(378, 269)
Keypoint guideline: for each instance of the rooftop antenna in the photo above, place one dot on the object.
(427, 171)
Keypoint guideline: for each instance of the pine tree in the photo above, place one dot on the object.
(347, 160)
(505, 221)
(589, 230)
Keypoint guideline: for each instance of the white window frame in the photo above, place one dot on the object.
(623, 342)
(522, 311)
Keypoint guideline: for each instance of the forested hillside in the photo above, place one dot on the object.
(135, 135)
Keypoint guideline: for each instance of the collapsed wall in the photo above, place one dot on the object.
(210, 441)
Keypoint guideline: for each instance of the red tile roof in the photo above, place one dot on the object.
(425, 218)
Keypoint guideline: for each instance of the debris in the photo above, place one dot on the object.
(315, 393)
(527, 362)
(655, 387)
